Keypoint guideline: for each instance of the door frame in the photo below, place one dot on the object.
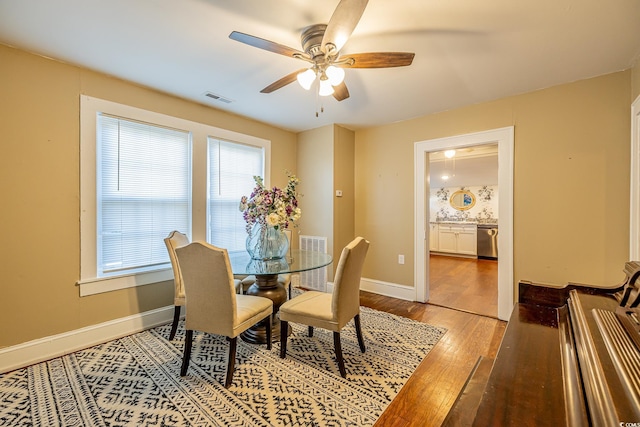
(634, 197)
(504, 138)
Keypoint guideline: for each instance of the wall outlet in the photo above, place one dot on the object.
(400, 259)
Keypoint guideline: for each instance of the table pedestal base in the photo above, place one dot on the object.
(267, 286)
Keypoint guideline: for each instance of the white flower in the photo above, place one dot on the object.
(273, 219)
(296, 214)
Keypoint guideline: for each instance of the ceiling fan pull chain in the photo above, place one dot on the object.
(318, 101)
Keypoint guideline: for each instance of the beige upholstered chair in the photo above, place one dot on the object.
(330, 311)
(213, 306)
(175, 240)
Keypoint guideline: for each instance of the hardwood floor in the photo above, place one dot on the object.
(428, 395)
(467, 284)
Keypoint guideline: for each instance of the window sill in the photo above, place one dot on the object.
(109, 284)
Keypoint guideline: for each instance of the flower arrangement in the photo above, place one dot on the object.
(274, 207)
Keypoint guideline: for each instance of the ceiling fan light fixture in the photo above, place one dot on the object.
(321, 46)
(335, 75)
(325, 88)
(306, 78)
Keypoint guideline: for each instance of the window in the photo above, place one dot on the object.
(143, 193)
(232, 167)
(144, 174)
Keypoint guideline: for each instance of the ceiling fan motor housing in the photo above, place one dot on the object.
(311, 39)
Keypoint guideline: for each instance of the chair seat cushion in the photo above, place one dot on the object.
(250, 310)
(310, 308)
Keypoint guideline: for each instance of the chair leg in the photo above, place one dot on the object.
(269, 331)
(310, 331)
(289, 290)
(356, 320)
(284, 328)
(188, 339)
(233, 343)
(176, 319)
(338, 349)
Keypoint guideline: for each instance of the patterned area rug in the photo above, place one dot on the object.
(135, 380)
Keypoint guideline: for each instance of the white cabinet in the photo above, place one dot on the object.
(458, 239)
(433, 236)
(468, 241)
(448, 239)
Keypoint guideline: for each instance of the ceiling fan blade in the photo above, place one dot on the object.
(377, 60)
(342, 23)
(340, 92)
(289, 78)
(266, 45)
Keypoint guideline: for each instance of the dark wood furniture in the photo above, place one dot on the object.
(570, 356)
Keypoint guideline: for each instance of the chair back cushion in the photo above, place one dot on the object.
(346, 285)
(209, 287)
(175, 240)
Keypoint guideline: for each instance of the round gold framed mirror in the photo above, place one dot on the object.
(462, 200)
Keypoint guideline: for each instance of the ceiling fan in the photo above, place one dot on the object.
(321, 46)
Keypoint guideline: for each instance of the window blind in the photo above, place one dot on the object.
(232, 167)
(143, 193)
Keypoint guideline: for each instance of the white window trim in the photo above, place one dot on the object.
(89, 283)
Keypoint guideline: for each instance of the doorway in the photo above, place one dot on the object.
(504, 139)
(463, 226)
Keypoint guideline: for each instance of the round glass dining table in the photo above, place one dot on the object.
(267, 285)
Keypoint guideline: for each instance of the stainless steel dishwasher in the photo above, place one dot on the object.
(488, 241)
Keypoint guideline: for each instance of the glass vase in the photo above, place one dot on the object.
(267, 243)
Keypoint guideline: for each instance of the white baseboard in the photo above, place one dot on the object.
(42, 349)
(388, 289)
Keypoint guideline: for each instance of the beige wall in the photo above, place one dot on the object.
(39, 188)
(343, 210)
(325, 164)
(315, 170)
(571, 150)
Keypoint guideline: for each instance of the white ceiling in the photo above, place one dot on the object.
(467, 51)
(471, 166)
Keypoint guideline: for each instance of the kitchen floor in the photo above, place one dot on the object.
(466, 284)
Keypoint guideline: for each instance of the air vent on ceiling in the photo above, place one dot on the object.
(218, 97)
